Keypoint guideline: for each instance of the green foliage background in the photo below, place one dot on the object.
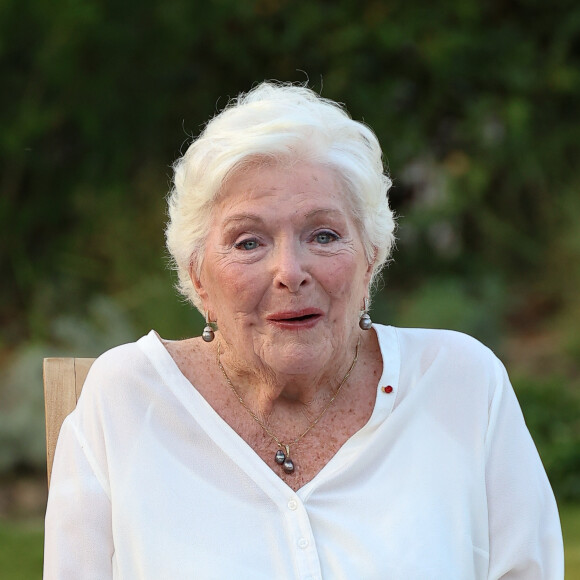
(476, 104)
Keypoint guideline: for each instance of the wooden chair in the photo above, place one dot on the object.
(63, 382)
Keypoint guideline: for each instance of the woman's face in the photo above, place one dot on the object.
(284, 272)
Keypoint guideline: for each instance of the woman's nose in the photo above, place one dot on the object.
(290, 269)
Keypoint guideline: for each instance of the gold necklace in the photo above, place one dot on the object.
(282, 456)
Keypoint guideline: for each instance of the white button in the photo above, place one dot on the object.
(292, 504)
(303, 543)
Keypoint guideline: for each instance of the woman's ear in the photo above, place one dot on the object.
(197, 283)
(371, 267)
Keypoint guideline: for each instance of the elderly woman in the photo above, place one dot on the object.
(295, 439)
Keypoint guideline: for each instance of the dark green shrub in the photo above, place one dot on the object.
(551, 407)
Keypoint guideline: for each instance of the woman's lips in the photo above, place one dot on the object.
(298, 319)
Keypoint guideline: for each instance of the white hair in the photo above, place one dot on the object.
(277, 123)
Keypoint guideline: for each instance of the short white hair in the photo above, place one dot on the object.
(277, 123)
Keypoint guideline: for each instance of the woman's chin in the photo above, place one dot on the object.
(297, 357)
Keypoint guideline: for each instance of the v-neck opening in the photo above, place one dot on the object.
(237, 447)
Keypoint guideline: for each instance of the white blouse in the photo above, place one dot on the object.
(443, 482)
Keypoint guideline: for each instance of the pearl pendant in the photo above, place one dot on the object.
(284, 460)
(280, 457)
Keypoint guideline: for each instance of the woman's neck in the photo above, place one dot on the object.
(262, 389)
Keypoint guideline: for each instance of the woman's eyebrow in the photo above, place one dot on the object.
(325, 212)
(243, 218)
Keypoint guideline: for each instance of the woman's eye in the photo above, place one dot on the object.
(325, 237)
(247, 245)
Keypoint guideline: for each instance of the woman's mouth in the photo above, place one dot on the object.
(298, 319)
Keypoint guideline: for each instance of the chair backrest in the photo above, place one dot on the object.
(63, 382)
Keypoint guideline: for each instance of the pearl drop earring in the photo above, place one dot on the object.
(365, 321)
(208, 333)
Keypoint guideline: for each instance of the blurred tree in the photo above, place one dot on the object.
(476, 106)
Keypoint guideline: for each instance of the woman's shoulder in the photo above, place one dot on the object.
(443, 339)
(451, 349)
(450, 365)
(123, 366)
(121, 383)
(117, 359)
